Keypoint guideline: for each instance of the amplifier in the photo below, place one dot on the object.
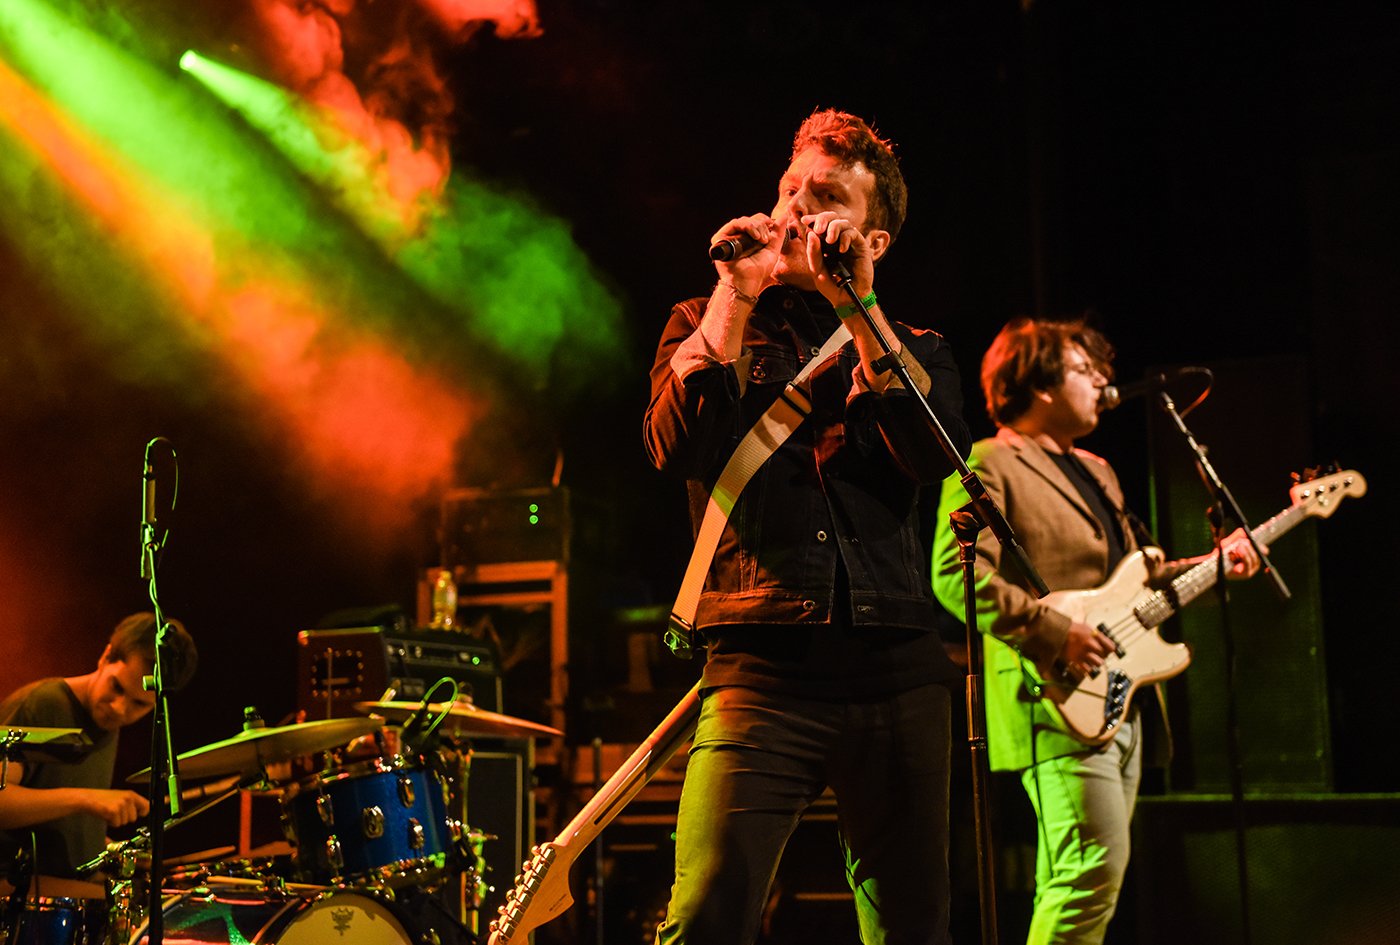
(338, 668)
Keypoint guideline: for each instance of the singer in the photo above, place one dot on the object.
(822, 669)
(68, 806)
(1043, 382)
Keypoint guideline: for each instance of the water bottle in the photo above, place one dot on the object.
(444, 601)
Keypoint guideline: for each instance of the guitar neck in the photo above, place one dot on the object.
(542, 890)
(639, 768)
(1194, 582)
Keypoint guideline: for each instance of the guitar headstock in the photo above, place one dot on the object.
(1319, 494)
(540, 894)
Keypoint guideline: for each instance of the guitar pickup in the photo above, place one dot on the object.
(1117, 647)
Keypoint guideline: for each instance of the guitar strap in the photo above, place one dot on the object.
(762, 441)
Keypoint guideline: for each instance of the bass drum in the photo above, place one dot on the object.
(231, 917)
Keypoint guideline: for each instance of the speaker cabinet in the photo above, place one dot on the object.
(500, 806)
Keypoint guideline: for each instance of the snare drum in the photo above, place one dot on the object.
(251, 917)
(376, 822)
(57, 920)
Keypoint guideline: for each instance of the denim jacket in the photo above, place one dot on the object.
(844, 487)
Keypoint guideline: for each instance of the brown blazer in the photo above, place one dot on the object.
(1067, 545)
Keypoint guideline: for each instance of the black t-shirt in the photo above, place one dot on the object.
(1093, 494)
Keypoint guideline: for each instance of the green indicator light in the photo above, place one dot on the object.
(534, 519)
(476, 661)
(534, 508)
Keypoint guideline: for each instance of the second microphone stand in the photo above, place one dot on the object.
(1226, 508)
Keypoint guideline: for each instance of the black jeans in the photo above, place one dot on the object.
(761, 758)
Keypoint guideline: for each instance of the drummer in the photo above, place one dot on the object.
(62, 810)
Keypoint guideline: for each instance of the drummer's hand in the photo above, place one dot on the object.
(118, 808)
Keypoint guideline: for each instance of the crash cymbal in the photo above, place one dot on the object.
(249, 752)
(465, 719)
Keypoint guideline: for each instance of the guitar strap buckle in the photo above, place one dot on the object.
(681, 639)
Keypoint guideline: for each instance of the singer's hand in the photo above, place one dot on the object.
(753, 272)
(827, 229)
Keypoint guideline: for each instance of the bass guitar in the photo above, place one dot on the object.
(1128, 610)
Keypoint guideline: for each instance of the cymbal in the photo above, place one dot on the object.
(252, 750)
(50, 744)
(464, 719)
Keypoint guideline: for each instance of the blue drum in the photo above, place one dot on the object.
(47, 920)
(376, 823)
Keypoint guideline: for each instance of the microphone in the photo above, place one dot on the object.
(148, 510)
(413, 726)
(739, 245)
(1111, 396)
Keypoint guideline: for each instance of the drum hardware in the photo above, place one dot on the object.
(45, 744)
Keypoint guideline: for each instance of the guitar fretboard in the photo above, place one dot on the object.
(1186, 587)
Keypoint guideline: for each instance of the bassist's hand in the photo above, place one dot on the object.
(1084, 652)
(1240, 559)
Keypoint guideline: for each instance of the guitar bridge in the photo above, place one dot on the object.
(1115, 699)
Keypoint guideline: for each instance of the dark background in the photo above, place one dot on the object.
(1214, 183)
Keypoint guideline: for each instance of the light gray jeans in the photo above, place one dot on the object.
(1084, 806)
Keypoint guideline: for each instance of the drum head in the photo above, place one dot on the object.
(347, 917)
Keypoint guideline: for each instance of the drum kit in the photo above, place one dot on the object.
(380, 851)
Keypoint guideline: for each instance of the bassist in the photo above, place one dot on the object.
(1043, 383)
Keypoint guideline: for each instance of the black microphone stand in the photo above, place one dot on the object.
(165, 775)
(1224, 508)
(980, 512)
